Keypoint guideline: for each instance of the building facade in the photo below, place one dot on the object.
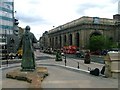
(6, 19)
(78, 32)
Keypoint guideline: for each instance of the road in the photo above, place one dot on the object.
(62, 78)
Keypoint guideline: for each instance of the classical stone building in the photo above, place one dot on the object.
(79, 31)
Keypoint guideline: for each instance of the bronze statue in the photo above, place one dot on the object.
(28, 58)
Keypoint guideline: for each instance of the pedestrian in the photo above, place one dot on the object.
(87, 58)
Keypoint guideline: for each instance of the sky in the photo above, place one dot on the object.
(44, 15)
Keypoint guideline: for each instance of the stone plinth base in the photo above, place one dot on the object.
(115, 74)
(33, 77)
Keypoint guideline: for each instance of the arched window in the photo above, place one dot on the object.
(65, 40)
(60, 42)
(95, 33)
(70, 39)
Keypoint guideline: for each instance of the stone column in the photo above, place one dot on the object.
(73, 39)
(62, 40)
(82, 39)
(67, 40)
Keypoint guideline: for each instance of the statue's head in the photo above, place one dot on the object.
(27, 28)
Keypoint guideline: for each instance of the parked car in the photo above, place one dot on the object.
(114, 49)
(80, 54)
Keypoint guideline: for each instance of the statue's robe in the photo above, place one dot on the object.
(28, 58)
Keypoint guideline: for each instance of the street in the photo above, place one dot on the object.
(62, 78)
(68, 44)
(59, 77)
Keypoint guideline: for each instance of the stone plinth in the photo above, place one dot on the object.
(33, 77)
(115, 63)
(112, 63)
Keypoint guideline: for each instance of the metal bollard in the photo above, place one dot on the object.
(89, 69)
(65, 60)
(78, 65)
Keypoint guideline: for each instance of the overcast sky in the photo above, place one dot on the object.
(42, 15)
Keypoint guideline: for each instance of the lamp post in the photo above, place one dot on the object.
(6, 51)
(6, 34)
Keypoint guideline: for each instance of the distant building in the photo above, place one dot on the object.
(78, 32)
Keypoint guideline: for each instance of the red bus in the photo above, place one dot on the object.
(70, 49)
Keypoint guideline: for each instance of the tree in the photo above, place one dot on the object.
(110, 43)
(97, 42)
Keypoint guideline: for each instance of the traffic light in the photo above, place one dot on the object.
(16, 21)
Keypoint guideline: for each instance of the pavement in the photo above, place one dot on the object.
(72, 65)
(49, 59)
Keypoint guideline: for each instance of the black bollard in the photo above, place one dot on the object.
(78, 65)
(65, 60)
(89, 69)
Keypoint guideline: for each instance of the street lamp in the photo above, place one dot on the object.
(6, 51)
